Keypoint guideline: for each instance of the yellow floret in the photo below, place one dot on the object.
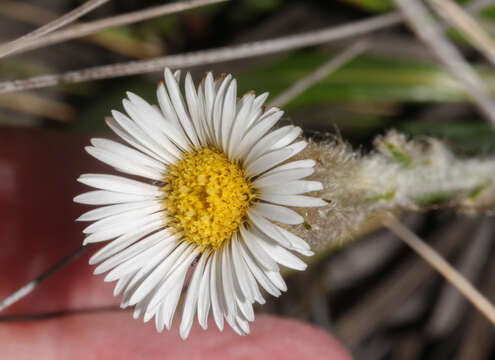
(207, 197)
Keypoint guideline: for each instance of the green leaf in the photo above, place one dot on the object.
(372, 5)
(366, 79)
(470, 137)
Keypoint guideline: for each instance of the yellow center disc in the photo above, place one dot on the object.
(207, 197)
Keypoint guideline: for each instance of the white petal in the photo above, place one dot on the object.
(240, 123)
(119, 184)
(123, 241)
(135, 136)
(121, 219)
(246, 308)
(258, 273)
(227, 281)
(279, 213)
(292, 188)
(266, 227)
(297, 147)
(195, 108)
(298, 164)
(122, 164)
(164, 133)
(141, 132)
(189, 308)
(296, 241)
(159, 274)
(209, 98)
(250, 280)
(170, 304)
(145, 271)
(175, 276)
(103, 197)
(218, 108)
(233, 324)
(249, 239)
(240, 272)
(271, 177)
(281, 255)
(134, 253)
(228, 114)
(204, 295)
(114, 231)
(156, 276)
(178, 103)
(255, 133)
(121, 284)
(110, 210)
(267, 161)
(214, 291)
(243, 324)
(257, 108)
(277, 280)
(265, 144)
(288, 138)
(127, 152)
(293, 200)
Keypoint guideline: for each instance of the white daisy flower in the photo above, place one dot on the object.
(216, 182)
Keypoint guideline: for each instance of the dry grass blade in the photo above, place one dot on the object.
(443, 267)
(77, 31)
(431, 34)
(33, 284)
(71, 16)
(319, 74)
(374, 309)
(207, 56)
(460, 19)
(117, 42)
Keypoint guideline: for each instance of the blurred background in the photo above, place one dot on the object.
(375, 295)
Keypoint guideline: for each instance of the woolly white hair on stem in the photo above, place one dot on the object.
(399, 175)
(217, 184)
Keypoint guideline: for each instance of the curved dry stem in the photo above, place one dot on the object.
(20, 43)
(77, 31)
(443, 267)
(28, 288)
(226, 53)
(320, 73)
(431, 34)
(455, 15)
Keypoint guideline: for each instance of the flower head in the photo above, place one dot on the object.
(217, 180)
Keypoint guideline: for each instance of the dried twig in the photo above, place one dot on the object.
(374, 309)
(33, 284)
(19, 43)
(459, 18)
(320, 73)
(443, 267)
(431, 34)
(207, 56)
(77, 31)
(117, 42)
(478, 5)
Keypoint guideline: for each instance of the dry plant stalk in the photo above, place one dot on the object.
(431, 33)
(217, 55)
(19, 43)
(88, 28)
(458, 17)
